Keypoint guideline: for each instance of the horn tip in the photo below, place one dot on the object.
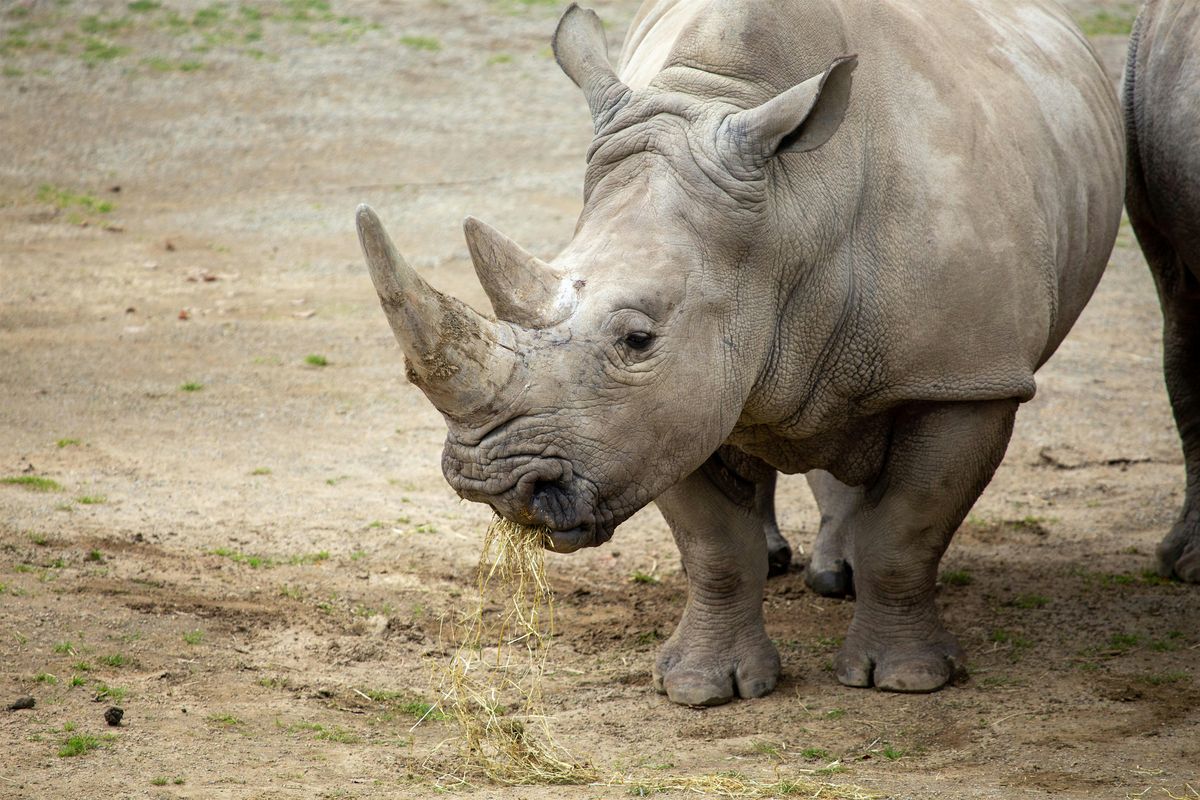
(365, 214)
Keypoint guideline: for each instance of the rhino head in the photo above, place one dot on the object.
(620, 366)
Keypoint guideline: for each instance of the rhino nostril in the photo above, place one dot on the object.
(548, 497)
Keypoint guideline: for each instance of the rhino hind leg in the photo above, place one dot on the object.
(1179, 552)
(939, 462)
(830, 572)
(779, 552)
(720, 648)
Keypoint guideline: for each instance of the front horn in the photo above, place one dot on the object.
(459, 359)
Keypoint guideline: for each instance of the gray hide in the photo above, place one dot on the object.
(1162, 111)
(835, 236)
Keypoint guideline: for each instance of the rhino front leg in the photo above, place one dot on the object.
(940, 460)
(830, 572)
(720, 648)
(1179, 551)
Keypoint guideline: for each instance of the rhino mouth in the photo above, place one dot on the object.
(577, 538)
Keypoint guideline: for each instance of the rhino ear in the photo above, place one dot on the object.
(582, 51)
(800, 119)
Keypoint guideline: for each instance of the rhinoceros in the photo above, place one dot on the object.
(1162, 111)
(817, 235)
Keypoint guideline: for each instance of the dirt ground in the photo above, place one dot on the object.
(248, 544)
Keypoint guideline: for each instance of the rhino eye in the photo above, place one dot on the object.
(638, 340)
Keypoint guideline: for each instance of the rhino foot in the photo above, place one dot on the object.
(693, 672)
(896, 663)
(835, 582)
(1179, 552)
(779, 554)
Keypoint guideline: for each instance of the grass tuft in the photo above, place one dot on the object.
(34, 483)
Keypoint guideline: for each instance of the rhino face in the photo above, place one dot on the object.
(603, 386)
(616, 369)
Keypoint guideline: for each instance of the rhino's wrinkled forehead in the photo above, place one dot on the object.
(663, 141)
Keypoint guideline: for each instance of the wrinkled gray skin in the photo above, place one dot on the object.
(788, 259)
(1162, 111)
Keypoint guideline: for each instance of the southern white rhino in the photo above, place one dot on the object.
(1162, 112)
(825, 236)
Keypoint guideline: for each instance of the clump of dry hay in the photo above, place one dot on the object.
(492, 689)
(498, 668)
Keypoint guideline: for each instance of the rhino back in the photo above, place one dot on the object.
(944, 241)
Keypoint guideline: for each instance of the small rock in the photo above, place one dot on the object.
(22, 703)
(184, 314)
(169, 246)
(113, 715)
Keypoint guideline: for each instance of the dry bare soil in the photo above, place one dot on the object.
(248, 544)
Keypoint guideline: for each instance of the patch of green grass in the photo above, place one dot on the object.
(46, 678)
(81, 666)
(1174, 641)
(1030, 601)
(261, 471)
(159, 781)
(892, 753)
(144, 6)
(10, 71)
(252, 561)
(310, 558)
(499, 58)
(65, 648)
(426, 43)
(191, 386)
(358, 555)
(957, 577)
(649, 637)
(227, 720)
(768, 749)
(815, 754)
(95, 556)
(315, 360)
(78, 745)
(337, 734)
(1123, 642)
(419, 709)
(34, 483)
(1106, 22)
(193, 637)
(835, 713)
(291, 592)
(95, 24)
(94, 51)
(39, 539)
(68, 443)
(116, 660)
(77, 680)
(1164, 678)
(112, 693)
(643, 577)
(160, 64)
